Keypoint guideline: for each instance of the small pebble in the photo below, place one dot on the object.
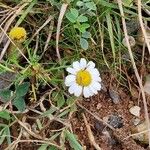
(136, 121)
(147, 84)
(143, 136)
(81, 128)
(115, 121)
(87, 99)
(105, 119)
(135, 110)
(126, 57)
(99, 126)
(114, 96)
(112, 140)
(99, 105)
(131, 41)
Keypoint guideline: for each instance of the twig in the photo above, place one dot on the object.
(61, 15)
(49, 35)
(43, 25)
(95, 116)
(29, 131)
(14, 143)
(40, 141)
(142, 25)
(134, 66)
(90, 134)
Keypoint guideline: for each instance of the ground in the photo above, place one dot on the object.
(37, 112)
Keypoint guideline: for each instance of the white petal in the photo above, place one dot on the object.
(72, 88)
(96, 85)
(93, 71)
(71, 70)
(94, 91)
(83, 63)
(86, 92)
(78, 90)
(76, 65)
(91, 65)
(69, 80)
(96, 78)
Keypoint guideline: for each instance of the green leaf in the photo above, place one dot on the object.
(127, 3)
(22, 89)
(49, 112)
(2, 135)
(111, 33)
(59, 98)
(43, 147)
(19, 103)
(86, 0)
(86, 35)
(84, 43)
(5, 115)
(73, 141)
(7, 131)
(80, 3)
(71, 101)
(52, 148)
(82, 28)
(90, 5)
(72, 15)
(82, 18)
(5, 95)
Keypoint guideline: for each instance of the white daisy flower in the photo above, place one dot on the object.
(84, 78)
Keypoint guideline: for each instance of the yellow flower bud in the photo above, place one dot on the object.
(18, 34)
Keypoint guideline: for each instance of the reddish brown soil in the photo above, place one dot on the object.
(102, 106)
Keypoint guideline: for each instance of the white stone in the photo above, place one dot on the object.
(135, 110)
(147, 84)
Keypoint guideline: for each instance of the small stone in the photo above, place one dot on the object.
(112, 140)
(143, 136)
(115, 121)
(99, 105)
(105, 119)
(81, 128)
(131, 41)
(126, 57)
(134, 93)
(147, 84)
(136, 121)
(140, 36)
(87, 99)
(114, 96)
(99, 126)
(135, 110)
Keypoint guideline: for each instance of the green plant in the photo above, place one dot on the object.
(79, 18)
(5, 128)
(17, 96)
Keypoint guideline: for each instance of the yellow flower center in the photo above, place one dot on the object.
(18, 34)
(83, 78)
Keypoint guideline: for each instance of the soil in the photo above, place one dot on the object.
(103, 107)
